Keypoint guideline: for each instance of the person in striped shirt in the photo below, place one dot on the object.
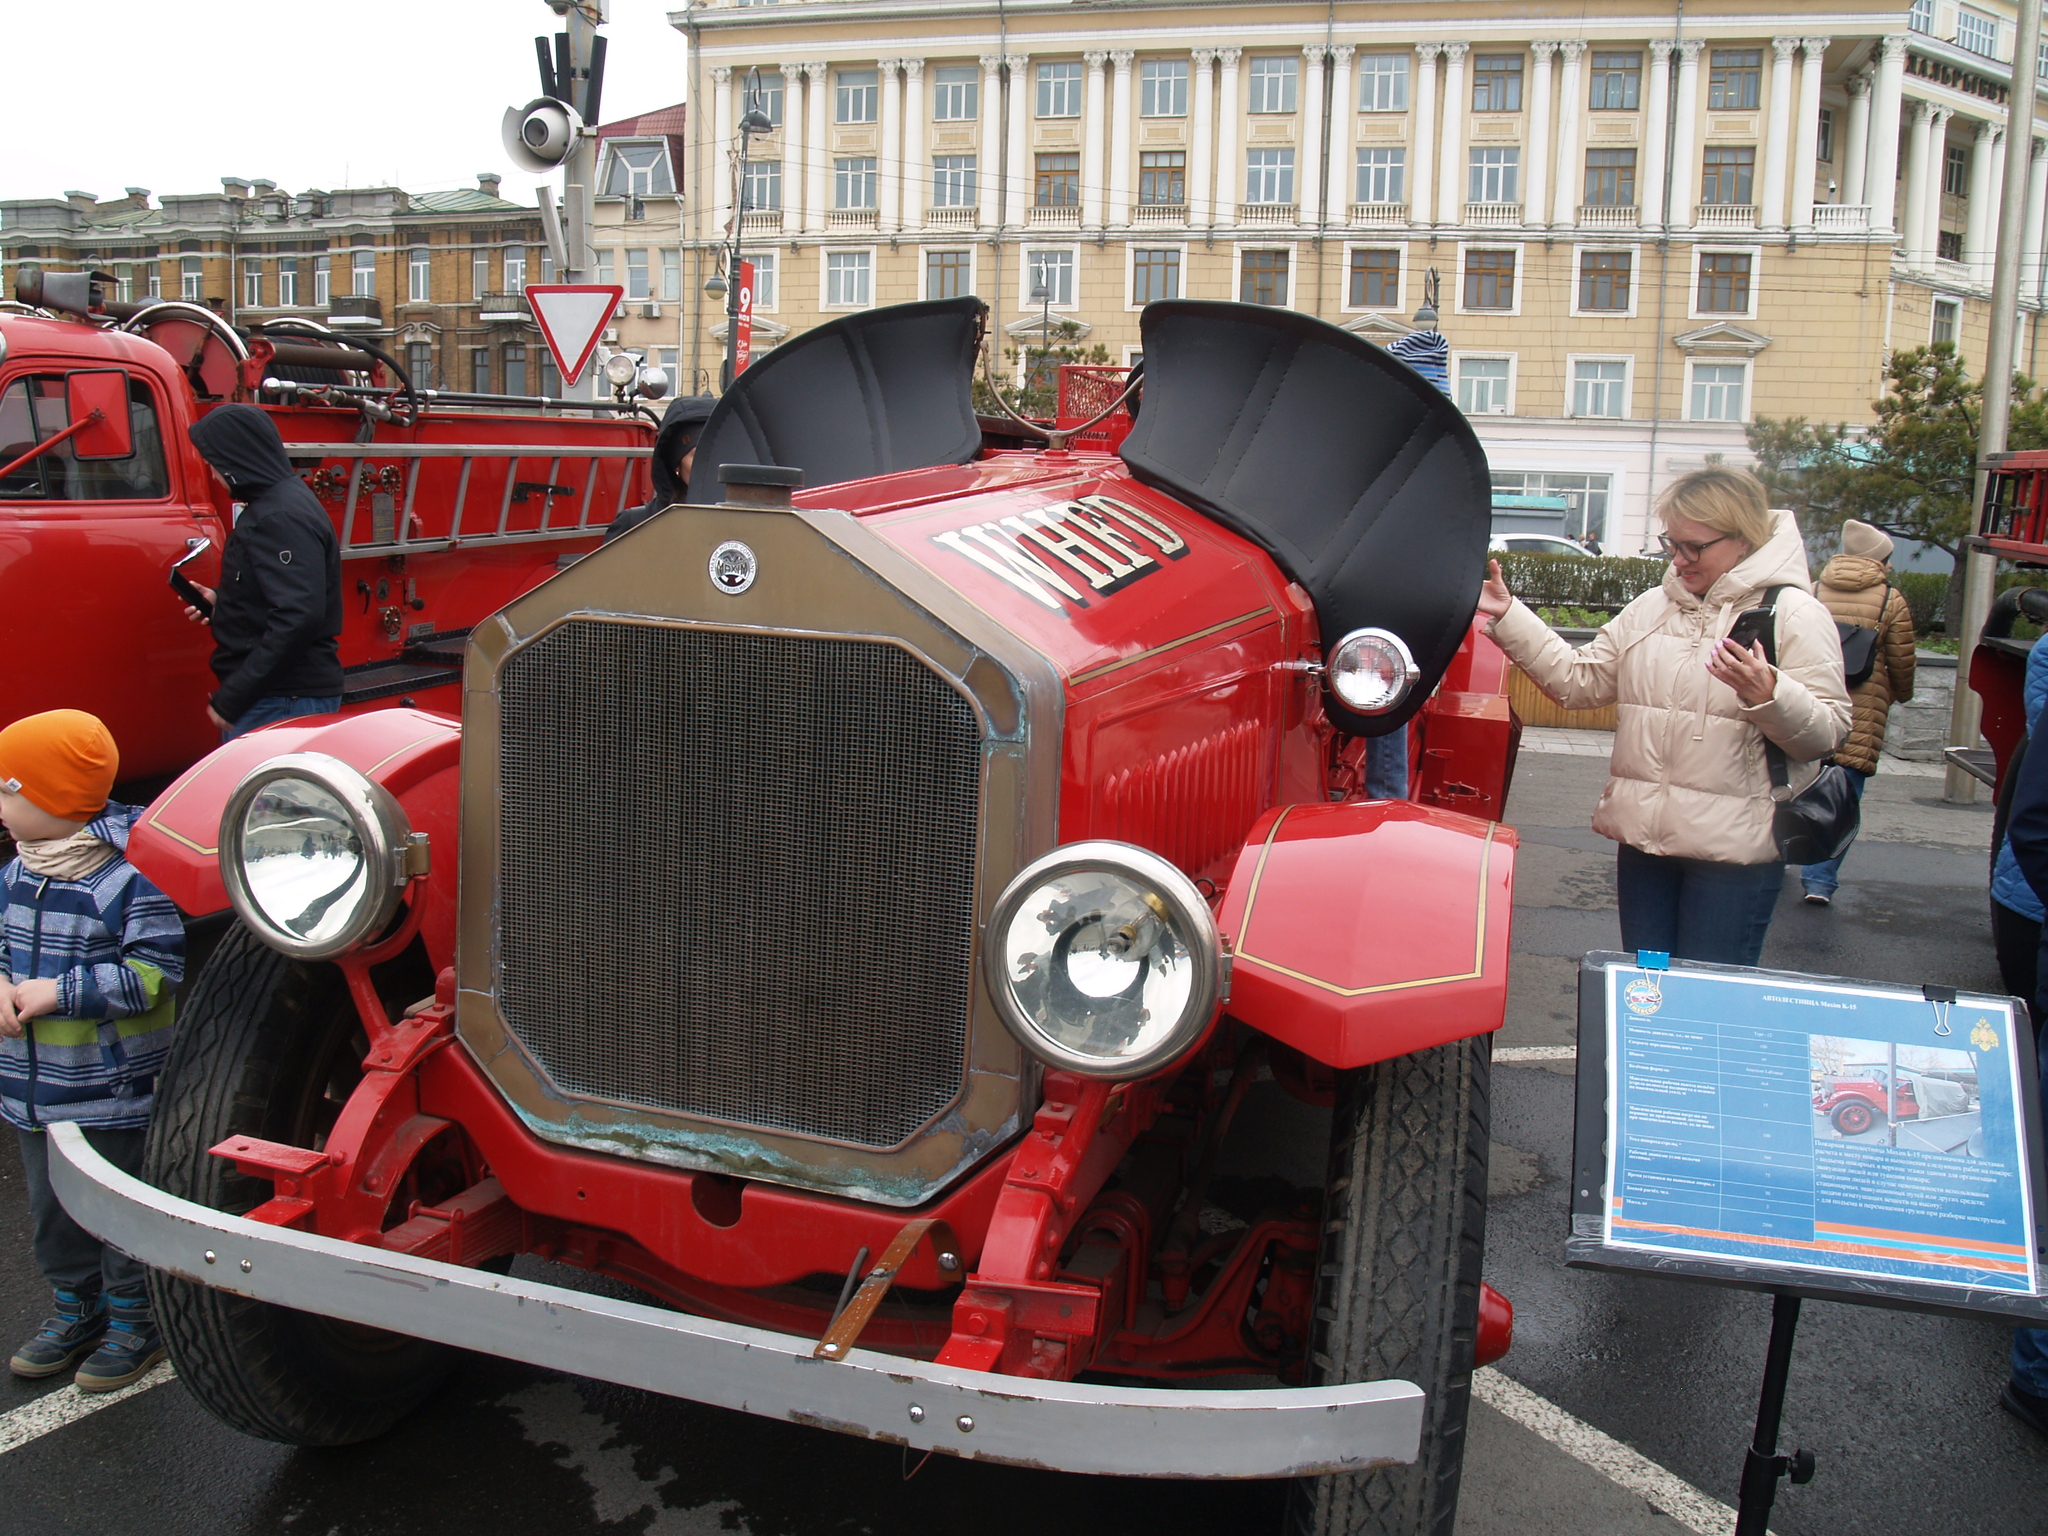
(94, 956)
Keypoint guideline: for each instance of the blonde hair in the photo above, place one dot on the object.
(1725, 500)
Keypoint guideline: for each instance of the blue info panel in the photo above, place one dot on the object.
(1860, 1132)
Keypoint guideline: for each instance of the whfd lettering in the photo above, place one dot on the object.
(1107, 544)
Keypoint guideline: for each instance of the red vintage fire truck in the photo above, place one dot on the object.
(920, 922)
(446, 506)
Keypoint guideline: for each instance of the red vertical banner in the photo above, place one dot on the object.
(745, 351)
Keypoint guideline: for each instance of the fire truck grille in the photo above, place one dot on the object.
(737, 875)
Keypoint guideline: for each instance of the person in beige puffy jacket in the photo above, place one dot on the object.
(1689, 800)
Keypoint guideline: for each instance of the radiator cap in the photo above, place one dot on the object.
(759, 485)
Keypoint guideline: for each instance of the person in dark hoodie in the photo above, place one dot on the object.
(277, 613)
(675, 448)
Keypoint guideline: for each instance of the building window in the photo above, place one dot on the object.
(1824, 139)
(1600, 388)
(252, 283)
(1059, 181)
(1717, 391)
(1735, 80)
(1496, 82)
(948, 274)
(323, 281)
(1380, 175)
(1489, 280)
(515, 370)
(515, 270)
(1155, 275)
(419, 362)
(605, 273)
(1920, 16)
(419, 287)
(2041, 61)
(763, 186)
(1585, 496)
(1610, 178)
(1055, 269)
(1263, 279)
(1617, 81)
(156, 283)
(1269, 176)
(362, 273)
(1724, 283)
(638, 170)
(479, 273)
(1944, 327)
(1976, 34)
(1725, 175)
(124, 282)
(1163, 178)
(188, 278)
(1059, 90)
(636, 276)
(953, 181)
(854, 95)
(956, 94)
(764, 279)
(1955, 171)
(1163, 88)
(480, 370)
(1375, 279)
(1273, 84)
(1483, 386)
(551, 376)
(853, 182)
(1494, 174)
(846, 277)
(288, 282)
(1948, 245)
(1383, 82)
(671, 273)
(766, 97)
(1604, 280)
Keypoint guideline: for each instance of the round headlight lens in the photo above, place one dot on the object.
(312, 853)
(1371, 671)
(1105, 960)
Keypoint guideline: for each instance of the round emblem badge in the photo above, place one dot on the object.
(733, 567)
(1643, 996)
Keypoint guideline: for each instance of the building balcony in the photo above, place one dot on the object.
(360, 311)
(1841, 218)
(1267, 213)
(762, 221)
(1607, 216)
(1725, 216)
(1160, 213)
(502, 306)
(1493, 215)
(1056, 217)
(952, 217)
(851, 218)
(1378, 215)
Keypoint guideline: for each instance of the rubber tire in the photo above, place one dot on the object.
(253, 1033)
(1855, 1109)
(1397, 1296)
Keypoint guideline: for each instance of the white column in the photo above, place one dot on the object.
(1093, 104)
(819, 196)
(1881, 169)
(1120, 138)
(1308, 180)
(1450, 185)
(1806, 140)
(1229, 120)
(1201, 169)
(917, 185)
(1912, 215)
(1536, 192)
(1650, 174)
(1422, 167)
(1856, 142)
(1339, 174)
(721, 150)
(1571, 102)
(1980, 230)
(1770, 212)
(1018, 173)
(2037, 201)
(988, 166)
(1684, 171)
(889, 153)
(1937, 166)
(792, 146)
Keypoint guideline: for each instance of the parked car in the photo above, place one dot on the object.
(1536, 544)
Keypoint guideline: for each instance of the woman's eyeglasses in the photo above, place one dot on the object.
(1680, 549)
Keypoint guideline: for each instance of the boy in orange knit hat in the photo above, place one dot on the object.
(94, 953)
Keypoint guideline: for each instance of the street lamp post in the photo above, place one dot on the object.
(1041, 290)
(752, 121)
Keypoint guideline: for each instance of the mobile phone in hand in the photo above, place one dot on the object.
(1750, 626)
(182, 584)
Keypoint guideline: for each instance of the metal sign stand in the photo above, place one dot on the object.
(1763, 1466)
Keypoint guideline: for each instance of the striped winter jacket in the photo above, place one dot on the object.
(117, 949)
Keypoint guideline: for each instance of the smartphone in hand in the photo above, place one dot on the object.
(1751, 625)
(182, 584)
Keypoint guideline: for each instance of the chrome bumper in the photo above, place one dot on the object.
(1060, 1425)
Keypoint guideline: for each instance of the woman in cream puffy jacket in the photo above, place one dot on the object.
(1689, 797)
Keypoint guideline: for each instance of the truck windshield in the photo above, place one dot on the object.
(33, 408)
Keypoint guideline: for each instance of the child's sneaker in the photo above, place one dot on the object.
(65, 1339)
(131, 1350)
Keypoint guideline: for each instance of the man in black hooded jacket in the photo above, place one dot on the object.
(277, 613)
(674, 449)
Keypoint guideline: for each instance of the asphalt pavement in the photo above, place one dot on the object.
(1647, 1381)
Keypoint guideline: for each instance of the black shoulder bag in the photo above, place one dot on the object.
(1820, 821)
(1859, 645)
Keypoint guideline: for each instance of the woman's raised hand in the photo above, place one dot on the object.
(1494, 598)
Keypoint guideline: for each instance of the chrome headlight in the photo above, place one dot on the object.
(1104, 960)
(314, 854)
(1371, 671)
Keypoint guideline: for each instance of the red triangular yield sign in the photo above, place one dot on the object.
(571, 316)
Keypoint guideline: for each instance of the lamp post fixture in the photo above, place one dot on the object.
(752, 121)
(1041, 290)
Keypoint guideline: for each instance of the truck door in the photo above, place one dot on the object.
(87, 620)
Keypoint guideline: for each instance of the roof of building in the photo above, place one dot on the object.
(667, 120)
(466, 200)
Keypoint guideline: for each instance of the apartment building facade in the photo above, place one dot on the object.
(1642, 237)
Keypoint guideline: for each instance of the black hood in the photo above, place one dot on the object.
(242, 443)
(679, 428)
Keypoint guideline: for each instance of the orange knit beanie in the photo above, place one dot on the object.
(63, 761)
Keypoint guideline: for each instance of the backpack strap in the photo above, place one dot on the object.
(1774, 755)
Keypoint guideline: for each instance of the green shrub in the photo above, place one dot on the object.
(1926, 593)
(1606, 585)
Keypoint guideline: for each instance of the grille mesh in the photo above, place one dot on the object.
(737, 875)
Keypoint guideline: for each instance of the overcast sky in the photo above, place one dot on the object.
(136, 93)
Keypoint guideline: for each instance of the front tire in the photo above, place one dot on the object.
(1404, 1231)
(269, 1047)
(1854, 1118)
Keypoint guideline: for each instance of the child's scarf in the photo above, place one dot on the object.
(67, 858)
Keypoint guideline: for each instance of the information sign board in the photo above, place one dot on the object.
(1810, 1135)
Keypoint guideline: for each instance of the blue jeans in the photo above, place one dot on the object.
(1825, 879)
(1695, 909)
(1386, 766)
(280, 707)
